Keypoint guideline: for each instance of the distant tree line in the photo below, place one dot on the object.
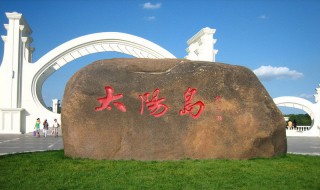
(301, 119)
(59, 108)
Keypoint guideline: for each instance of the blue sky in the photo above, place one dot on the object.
(278, 39)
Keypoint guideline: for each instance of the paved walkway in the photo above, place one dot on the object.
(10, 144)
(304, 145)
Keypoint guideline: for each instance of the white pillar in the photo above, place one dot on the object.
(11, 120)
(17, 52)
(201, 46)
(55, 105)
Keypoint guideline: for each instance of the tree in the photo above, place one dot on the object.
(301, 119)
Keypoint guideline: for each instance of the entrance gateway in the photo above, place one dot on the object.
(21, 79)
(312, 109)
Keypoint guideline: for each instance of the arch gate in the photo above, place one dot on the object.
(21, 103)
(312, 109)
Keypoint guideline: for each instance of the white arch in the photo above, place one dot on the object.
(89, 44)
(303, 104)
(34, 74)
(295, 102)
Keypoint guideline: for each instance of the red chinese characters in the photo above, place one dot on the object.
(105, 102)
(154, 105)
(188, 106)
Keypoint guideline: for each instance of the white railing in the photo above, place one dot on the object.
(299, 128)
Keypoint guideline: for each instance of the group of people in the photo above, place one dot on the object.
(45, 128)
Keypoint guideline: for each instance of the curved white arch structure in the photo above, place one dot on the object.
(295, 102)
(22, 102)
(90, 44)
(312, 109)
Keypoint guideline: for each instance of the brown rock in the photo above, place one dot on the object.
(239, 119)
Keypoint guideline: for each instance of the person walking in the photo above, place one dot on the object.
(55, 126)
(290, 125)
(45, 128)
(295, 124)
(37, 127)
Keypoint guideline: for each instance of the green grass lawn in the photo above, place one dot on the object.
(51, 170)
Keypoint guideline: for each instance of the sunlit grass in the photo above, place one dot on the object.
(51, 170)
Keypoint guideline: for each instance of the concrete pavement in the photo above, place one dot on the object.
(16, 143)
(10, 144)
(304, 145)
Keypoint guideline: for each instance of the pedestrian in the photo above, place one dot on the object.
(45, 128)
(290, 124)
(37, 127)
(55, 126)
(294, 124)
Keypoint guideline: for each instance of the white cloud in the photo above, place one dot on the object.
(269, 73)
(149, 5)
(151, 18)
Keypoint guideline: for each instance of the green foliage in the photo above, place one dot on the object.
(51, 170)
(301, 119)
(59, 109)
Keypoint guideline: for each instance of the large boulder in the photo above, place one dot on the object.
(169, 109)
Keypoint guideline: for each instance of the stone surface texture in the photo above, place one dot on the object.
(239, 119)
